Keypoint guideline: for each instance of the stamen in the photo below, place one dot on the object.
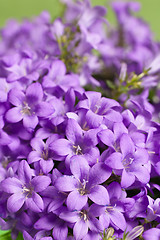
(26, 109)
(97, 108)
(82, 190)
(78, 150)
(27, 191)
(45, 154)
(127, 161)
(83, 215)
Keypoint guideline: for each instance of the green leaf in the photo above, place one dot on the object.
(5, 235)
(4, 232)
(20, 236)
(110, 84)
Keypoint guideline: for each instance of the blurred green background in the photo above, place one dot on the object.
(27, 8)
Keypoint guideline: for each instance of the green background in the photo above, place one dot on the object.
(27, 8)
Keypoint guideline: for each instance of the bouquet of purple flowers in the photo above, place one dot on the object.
(79, 126)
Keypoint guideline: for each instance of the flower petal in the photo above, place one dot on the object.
(99, 173)
(46, 165)
(142, 174)
(114, 161)
(33, 156)
(61, 147)
(16, 97)
(37, 144)
(35, 203)
(44, 109)
(46, 222)
(80, 229)
(153, 233)
(99, 195)
(79, 167)
(30, 122)
(11, 185)
(69, 216)
(24, 172)
(127, 179)
(75, 201)
(15, 202)
(113, 116)
(14, 115)
(40, 183)
(107, 137)
(66, 183)
(73, 131)
(34, 93)
(118, 219)
(94, 120)
(126, 145)
(60, 232)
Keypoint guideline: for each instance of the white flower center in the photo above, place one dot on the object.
(26, 109)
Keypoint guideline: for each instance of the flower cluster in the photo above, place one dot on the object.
(79, 131)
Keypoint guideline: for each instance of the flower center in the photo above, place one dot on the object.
(83, 215)
(27, 191)
(128, 160)
(97, 107)
(5, 161)
(45, 154)
(26, 109)
(109, 208)
(77, 149)
(82, 190)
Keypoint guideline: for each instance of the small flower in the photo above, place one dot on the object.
(84, 183)
(24, 189)
(28, 107)
(134, 233)
(83, 220)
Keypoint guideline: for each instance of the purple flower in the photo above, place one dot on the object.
(57, 78)
(114, 212)
(42, 153)
(51, 221)
(138, 209)
(55, 198)
(90, 20)
(5, 88)
(100, 109)
(41, 235)
(130, 161)
(84, 184)
(153, 209)
(84, 220)
(77, 143)
(24, 189)
(28, 107)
